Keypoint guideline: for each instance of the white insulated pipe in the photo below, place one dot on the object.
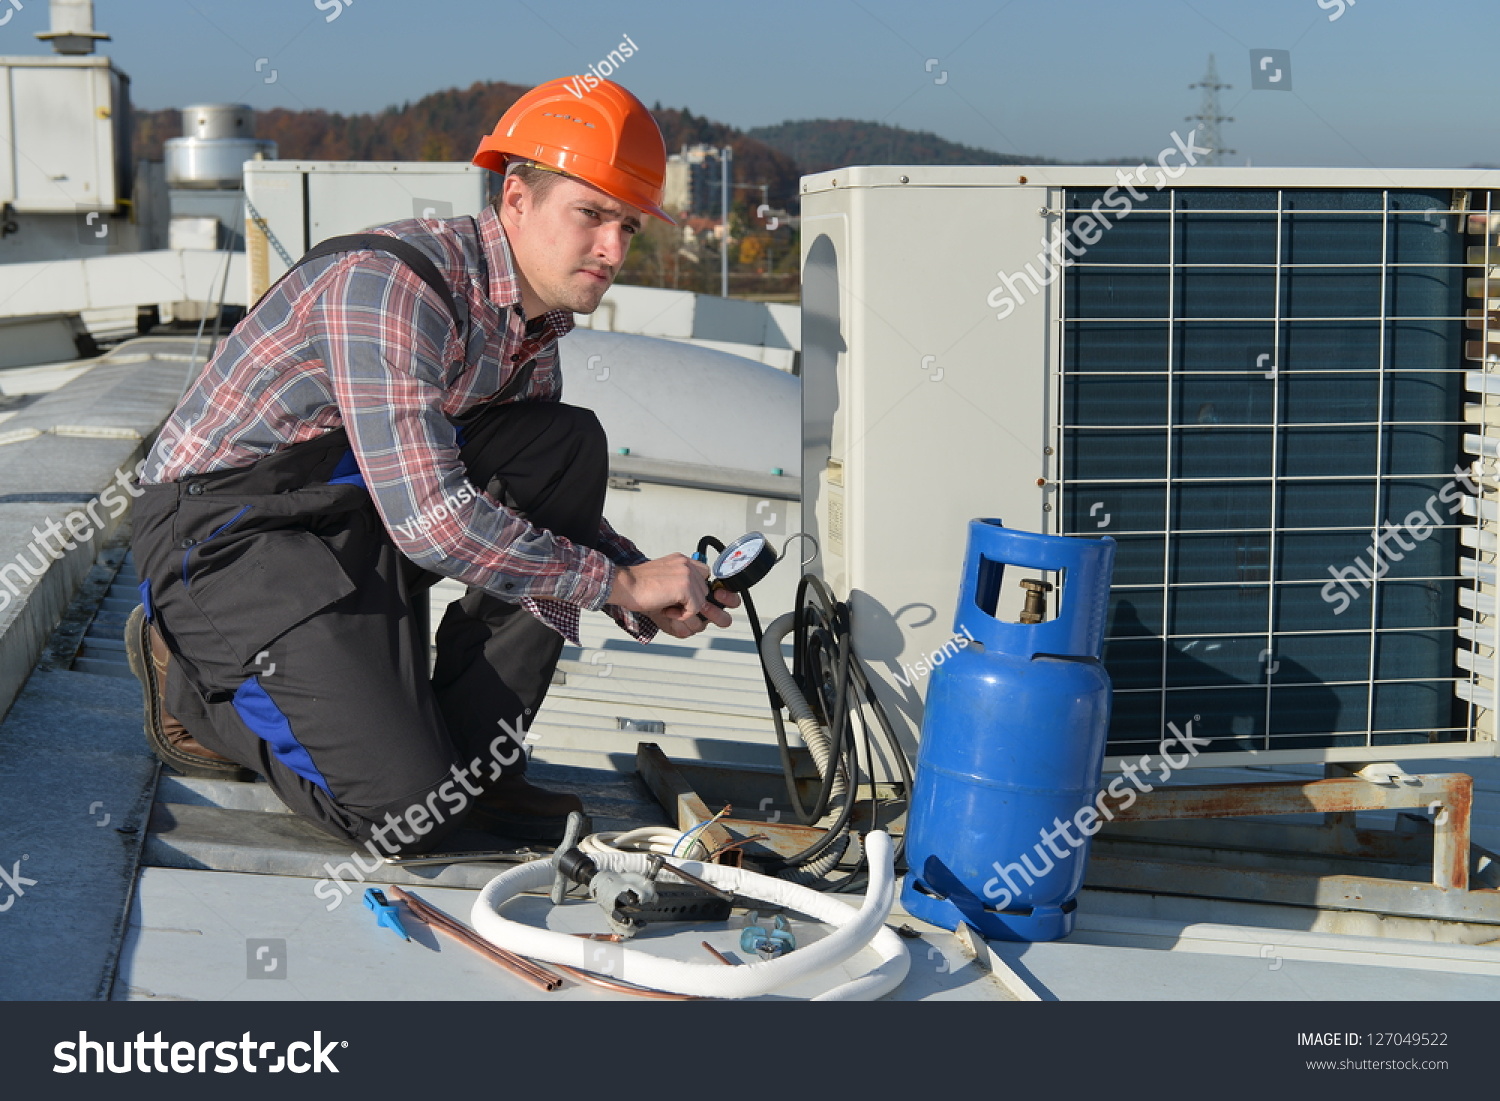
(855, 930)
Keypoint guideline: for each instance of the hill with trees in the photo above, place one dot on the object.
(820, 144)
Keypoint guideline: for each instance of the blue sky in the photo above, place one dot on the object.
(1393, 83)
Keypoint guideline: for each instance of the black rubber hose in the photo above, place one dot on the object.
(822, 642)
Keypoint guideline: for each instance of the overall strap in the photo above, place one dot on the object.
(404, 251)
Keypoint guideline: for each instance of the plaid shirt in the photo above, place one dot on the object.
(359, 340)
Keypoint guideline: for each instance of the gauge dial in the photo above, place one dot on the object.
(743, 562)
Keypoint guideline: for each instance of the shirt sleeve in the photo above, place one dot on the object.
(618, 549)
(385, 337)
(623, 552)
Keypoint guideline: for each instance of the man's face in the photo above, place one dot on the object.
(570, 244)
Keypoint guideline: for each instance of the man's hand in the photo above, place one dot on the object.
(673, 593)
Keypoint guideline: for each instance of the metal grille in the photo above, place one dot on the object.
(1262, 391)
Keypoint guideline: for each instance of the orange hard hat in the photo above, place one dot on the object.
(602, 135)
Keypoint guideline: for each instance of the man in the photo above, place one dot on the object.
(374, 424)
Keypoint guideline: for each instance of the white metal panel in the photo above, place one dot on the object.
(936, 416)
(1080, 176)
(351, 197)
(275, 229)
(783, 325)
(7, 138)
(825, 369)
(108, 282)
(63, 151)
(300, 203)
(193, 231)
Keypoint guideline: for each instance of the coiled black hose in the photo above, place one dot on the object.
(830, 677)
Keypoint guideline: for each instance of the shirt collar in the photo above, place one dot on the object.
(505, 289)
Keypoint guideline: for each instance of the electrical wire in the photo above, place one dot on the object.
(698, 828)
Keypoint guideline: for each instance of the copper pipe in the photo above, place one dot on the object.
(720, 956)
(610, 984)
(445, 923)
(623, 988)
(519, 966)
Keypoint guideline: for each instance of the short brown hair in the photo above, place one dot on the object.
(538, 181)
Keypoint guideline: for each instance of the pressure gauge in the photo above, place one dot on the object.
(742, 563)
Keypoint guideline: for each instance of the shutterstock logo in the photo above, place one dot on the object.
(15, 881)
(185, 1057)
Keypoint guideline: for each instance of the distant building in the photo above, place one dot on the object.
(694, 180)
(676, 191)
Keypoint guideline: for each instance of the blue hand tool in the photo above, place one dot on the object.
(386, 913)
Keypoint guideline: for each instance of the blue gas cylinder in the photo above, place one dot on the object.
(1012, 746)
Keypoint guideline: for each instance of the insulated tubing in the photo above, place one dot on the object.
(856, 928)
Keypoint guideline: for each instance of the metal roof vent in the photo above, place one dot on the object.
(218, 138)
(72, 27)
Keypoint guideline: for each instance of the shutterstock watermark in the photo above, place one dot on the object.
(145, 1056)
(1113, 204)
(335, 8)
(1271, 70)
(601, 69)
(1088, 817)
(15, 882)
(265, 958)
(430, 208)
(92, 226)
(82, 524)
(422, 818)
(1418, 525)
(764, 514)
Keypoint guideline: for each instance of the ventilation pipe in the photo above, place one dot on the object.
(72, 30)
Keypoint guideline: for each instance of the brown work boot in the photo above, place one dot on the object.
(514, 807)
(168, 738)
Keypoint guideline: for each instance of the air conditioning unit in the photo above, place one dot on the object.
(1271, 386)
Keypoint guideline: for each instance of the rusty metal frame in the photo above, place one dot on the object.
(1119, 863)
(1450, 795)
